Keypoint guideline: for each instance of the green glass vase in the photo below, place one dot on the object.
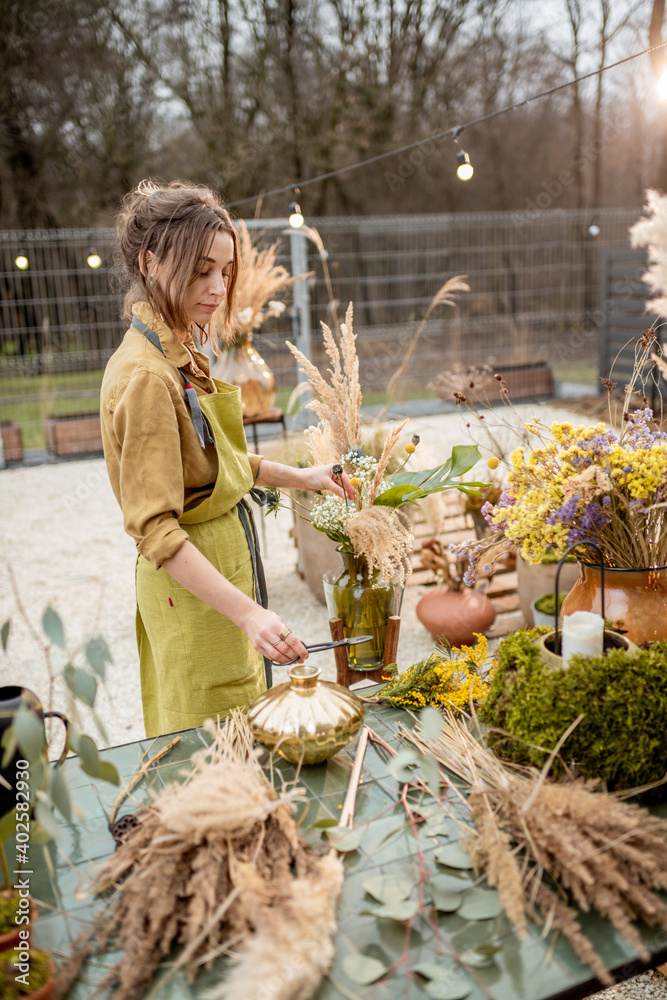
(362, 607)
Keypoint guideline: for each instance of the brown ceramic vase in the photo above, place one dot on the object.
(636, 597)
(456, 615)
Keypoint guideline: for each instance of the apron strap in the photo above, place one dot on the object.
(202, 428)
(261, 596)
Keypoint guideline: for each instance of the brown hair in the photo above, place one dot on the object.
(177, 223)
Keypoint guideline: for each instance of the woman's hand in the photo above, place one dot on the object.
(264, 629)
(320, 477)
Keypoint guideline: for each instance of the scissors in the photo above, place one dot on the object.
(320, 646)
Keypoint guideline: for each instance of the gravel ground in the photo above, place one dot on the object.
(64, 544)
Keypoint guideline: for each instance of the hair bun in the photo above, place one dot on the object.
(147, 187)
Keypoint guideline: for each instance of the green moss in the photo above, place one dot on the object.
(546, 605)
(38, 974)
(622, 697)
(8, 910)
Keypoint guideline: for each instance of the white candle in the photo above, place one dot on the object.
(583, 632)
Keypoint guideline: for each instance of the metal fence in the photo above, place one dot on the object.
(534, 281)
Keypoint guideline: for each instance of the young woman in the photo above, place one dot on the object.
(177, 459)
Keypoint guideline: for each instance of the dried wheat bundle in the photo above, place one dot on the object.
(600, 852)
(384, 539)
(259, 280)
(217, 865)
(339, 403)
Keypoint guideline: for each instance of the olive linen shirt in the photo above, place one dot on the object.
(156, 465)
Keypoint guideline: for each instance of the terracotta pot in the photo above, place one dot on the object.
(456, 615)
(636, 597)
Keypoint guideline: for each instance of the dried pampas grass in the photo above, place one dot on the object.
(602, 853)
(218, 865)
(384, 539)
(339, 403)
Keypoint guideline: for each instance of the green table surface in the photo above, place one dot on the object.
(533, 969)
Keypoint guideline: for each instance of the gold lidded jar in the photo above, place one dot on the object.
(305, 719)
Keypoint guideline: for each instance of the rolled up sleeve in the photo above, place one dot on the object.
(151, 485)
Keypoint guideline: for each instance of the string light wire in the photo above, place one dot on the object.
(456, 130)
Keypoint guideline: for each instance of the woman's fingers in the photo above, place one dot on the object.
(273, 638)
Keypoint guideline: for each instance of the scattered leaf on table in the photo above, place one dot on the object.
(429, 772)
(385, 889)
(324, 824)
(400, 765)
(396, 909)
(362, 969)
(344, 839)
(480, 958)
(453, 989)
(445, 899)
(432, 970)
(453, 856)
(4, 634)
(480, 904)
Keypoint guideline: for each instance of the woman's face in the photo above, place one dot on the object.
(209, 287)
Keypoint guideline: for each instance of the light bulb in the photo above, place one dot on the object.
(661, 86)
(464, 171)
(21, 262)
(94, 260)
(593, 229)
(295, 217)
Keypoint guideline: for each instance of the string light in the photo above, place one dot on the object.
(21, 261)
(295, 215)
(441, 135)
(593, 229)
(464, 171)
(661, 86)
(94, 260)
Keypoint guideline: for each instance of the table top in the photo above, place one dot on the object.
(537, 968)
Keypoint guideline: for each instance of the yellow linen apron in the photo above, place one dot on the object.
(195, 663)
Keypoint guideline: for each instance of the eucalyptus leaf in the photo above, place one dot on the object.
(87, 752)
(386, 889)
(480, 904)
(4, 634)
(98, 655)
(476, 958)
(107, 772)
(59, 793)
(29, 731)
(324, 824)
(445, 899)
(46, 820)
(344, 839)
(432, 970)
(362, 969)
(453, 856)
(7, 826)
(395, 909)
(53, 627)
(451, 989)
(430, 774)
(8, 743)
(81, 683)
(399, 766)
(431, 723)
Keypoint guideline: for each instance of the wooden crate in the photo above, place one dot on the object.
(75, 434)
(12, 445)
